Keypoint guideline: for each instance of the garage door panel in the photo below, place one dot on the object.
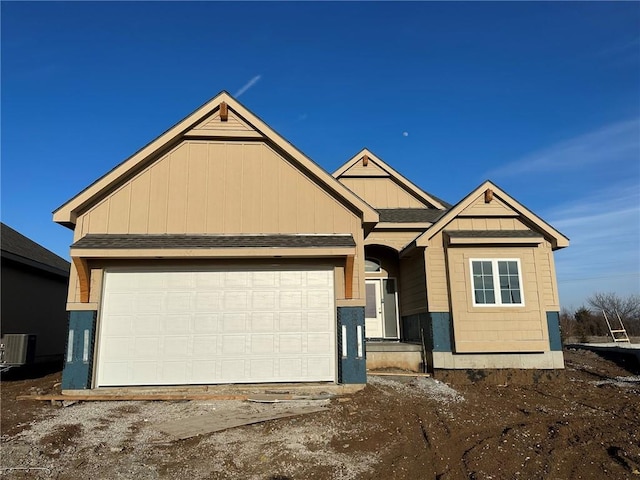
(264, 300)
(262, 322)
(206, 323)
(234, 322)
(290, 322)
(203, 346)
(207, 301)
(178, 301)
(166, 327)
(148, 347)
(149, 302)
(261, 344)
(235, 300)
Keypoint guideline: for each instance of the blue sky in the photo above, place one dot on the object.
(542, 98)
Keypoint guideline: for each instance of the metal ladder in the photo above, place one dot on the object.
(619, 334)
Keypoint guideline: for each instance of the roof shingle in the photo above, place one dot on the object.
(410, 215)
(213, 241)
(21, 247)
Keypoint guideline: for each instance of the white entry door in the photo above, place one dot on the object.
(373, 319)
(228, 326)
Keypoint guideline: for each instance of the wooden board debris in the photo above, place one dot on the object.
(132, 397)
(216, 422)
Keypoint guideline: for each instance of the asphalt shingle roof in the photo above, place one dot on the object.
(21, 247)
(213, 241)
(493, 233)
(410, 215)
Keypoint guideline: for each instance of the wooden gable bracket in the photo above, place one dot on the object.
(365, 160)
(348, 277)
(224, 112)
(84, 276)
(488, 195)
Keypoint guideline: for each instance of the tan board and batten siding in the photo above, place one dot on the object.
(489, 329)
(205, 186)
(382, 192)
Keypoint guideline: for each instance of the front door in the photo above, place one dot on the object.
(373, 318)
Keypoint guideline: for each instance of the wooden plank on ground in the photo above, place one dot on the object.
(391, 374)
(216, 422)
(125, 398)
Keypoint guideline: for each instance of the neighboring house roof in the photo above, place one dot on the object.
(430, 199)
(162, 241)
(557, 239)
(19, 248)
(409, 215)
(245, 124)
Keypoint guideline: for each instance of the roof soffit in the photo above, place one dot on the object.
(202, 123)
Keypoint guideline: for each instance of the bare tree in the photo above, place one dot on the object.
(627, 307)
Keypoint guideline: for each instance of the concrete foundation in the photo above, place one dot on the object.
(403, 356)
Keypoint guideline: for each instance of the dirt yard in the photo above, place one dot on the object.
(584, 424)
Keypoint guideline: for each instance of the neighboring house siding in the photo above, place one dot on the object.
(33, 303)
(380, 192)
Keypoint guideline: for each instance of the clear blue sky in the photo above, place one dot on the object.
(542, 98)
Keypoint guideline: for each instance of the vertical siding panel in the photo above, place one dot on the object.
(196, 187)
(119, 209)
(99, 220)
(286, 199)
(158, 196)
(323, 216)
(139, 219)
(380, 199)
(216, 174)
(233, 189)
(270, 190)
(478, 224)
(305, 214)
(252, 182)
(178, 176)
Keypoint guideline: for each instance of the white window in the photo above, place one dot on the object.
(496, 282)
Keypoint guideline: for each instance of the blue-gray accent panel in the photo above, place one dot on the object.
(351, 369)
(553, 323)
(77, 369)
(441, 330)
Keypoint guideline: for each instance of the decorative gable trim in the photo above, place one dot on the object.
(477, 196)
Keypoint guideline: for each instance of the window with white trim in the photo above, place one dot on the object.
(496, 282)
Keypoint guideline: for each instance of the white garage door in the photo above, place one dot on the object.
(200, 327)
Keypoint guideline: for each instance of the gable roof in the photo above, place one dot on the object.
(558, 240)
(430, 199)
(193, 126)
(19, 248)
